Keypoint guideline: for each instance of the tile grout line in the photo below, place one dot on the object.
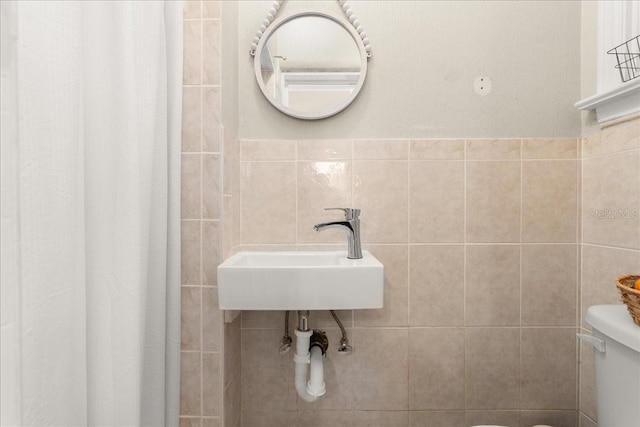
(464, 273)
(520, 368)
(409, 168)
(202, 190)
(579, 277)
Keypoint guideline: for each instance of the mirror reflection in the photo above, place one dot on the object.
(310, 64)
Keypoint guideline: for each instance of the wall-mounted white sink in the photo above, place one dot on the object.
(318, 280)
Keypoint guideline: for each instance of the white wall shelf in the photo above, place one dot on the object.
(613, 104)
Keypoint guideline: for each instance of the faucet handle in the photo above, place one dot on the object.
(349, 213)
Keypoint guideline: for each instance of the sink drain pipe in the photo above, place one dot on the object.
(310, 348)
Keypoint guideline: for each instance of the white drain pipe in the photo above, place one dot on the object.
(309, 391)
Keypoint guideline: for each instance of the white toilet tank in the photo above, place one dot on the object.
(618, 366)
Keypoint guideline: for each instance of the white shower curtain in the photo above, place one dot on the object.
(91, 110)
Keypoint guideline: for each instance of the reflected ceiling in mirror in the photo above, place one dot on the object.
(310, 66)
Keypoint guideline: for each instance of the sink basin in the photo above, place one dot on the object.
(318, 280)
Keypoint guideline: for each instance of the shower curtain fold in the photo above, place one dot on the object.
(92, 213)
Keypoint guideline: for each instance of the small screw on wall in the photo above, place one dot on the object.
(482, 85)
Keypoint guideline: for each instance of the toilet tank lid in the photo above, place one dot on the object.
(615, 322)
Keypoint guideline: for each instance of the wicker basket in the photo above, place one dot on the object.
(630, 296)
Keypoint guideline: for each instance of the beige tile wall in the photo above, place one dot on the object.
(231, 239)
(479, 242)
(610, 231)
(479, 239)
(201, 357)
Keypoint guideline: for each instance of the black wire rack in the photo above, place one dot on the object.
(628, 57)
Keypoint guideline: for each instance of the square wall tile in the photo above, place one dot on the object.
(323, 320)
(268, 202)
(550, 201)
(210, 252)
(445, 149)
(549, 285)
(211, 384)
(493, 149)
(493, 201)
(380, 367)
(380, 190)
(211, 39)
(211, 422)
(381, 149)
(611, 200)
(325, 418)
(492, 285)
(549, 363)
(269, 369)
(436, 198)
(588, 397)
(191, 119)
(265, 319)
(625, 136)
(550, 418)
(212, 119)
(258, 149)
(192, 9)
(189, 422)
(211, 186)
(325, 149)
(191, 186)
(612, 140)
(190, 252)
(190, 383)
(192, 54)
(322, 184)
(436, 285)
(190, 316)
(499, 418)
(601, 266)
(253, 418)
(211, 319)
(436, 368)
(211, 8)
(395, 259)
(492, 361)
(439, 418)
(550, 148)
(381, 418)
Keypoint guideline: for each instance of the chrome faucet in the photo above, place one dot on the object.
(351, 225)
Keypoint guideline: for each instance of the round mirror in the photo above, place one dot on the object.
(310, 65)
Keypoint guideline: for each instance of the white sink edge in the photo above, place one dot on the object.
(332, 284)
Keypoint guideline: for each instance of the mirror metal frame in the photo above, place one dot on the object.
(313, 115)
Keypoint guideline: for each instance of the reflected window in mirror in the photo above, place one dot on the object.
(310, 66)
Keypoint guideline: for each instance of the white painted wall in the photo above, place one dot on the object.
(230, 54)
(426, 55)
(589, 63)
